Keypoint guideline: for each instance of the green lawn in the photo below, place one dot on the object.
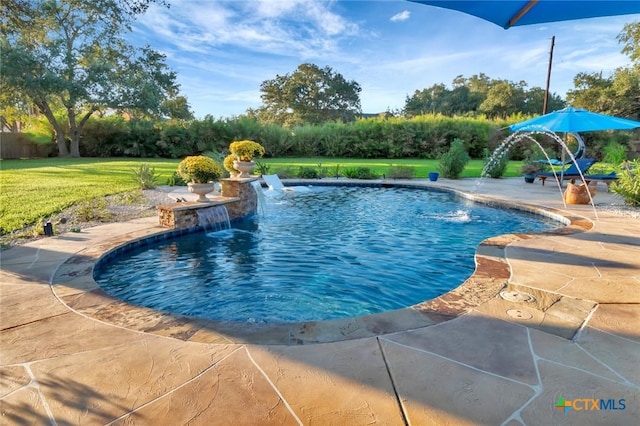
(381, 166)
(33, 190)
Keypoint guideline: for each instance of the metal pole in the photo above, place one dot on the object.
(546, 92)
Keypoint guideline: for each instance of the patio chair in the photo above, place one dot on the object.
(274, 183)
(570, 173)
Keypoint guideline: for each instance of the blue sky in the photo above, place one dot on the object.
(223, 50)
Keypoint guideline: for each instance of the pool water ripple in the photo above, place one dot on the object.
(332, 252)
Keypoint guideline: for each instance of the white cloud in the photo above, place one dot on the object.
(223, 50)
(295, 27)
(402, 16)
(270, 9)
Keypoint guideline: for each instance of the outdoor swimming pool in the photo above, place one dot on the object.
(330, 252)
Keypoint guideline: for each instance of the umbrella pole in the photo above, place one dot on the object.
(562, 159)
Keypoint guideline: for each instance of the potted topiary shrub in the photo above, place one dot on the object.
(201, 173)
(245, 151)
(529, 171)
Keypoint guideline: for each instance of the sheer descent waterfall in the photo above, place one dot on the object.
(215, 218)
(261, 200)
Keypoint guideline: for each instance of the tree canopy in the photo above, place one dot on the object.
(619, 93)
(479, 94)
(308, 95)
(70, 56)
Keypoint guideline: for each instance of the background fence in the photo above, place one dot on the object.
(17, 145)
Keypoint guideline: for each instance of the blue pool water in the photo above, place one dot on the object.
(330, 252)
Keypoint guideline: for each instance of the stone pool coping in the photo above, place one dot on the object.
(74, 286)
(61, 366)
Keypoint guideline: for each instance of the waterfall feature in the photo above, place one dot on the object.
(261, 200)
(213, 219)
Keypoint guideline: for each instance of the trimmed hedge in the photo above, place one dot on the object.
(428, 137)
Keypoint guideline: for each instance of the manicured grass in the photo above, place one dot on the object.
(381, 166)
(33, 190)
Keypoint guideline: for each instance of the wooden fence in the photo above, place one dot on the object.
(17, 145)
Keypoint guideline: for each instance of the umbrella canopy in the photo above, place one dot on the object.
(509, 13)
(575, 120)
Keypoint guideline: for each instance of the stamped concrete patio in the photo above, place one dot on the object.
(544, 317)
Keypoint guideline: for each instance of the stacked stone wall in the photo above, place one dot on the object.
(237, 195)
(247, 198)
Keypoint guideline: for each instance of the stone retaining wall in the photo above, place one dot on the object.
(242, 190)
(237, 195)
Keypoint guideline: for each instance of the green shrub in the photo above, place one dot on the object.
(425, 136)
(336, 171)
(93, 210)
(217, 156)
(176, 180)
(209, 134)
(285, 172)
(360, 173)
(628, 183)
(322, 171)
(146, 176)
(261, 167)
(308, 173)
(400, 172)
(305, 141)
(495, 164)
(276, 140)
(453, 162)
(529, 168)
(176, 141)
(614, 153)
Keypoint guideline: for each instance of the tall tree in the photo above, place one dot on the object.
(592, 91)
(619, 93)
(72, 53)
(426, 101)
(308, 95)
(177, 108)
(502, 100)
(630, 38)
(479, 93)
(534, 101)
(15, 110)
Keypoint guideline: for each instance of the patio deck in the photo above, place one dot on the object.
(71, 355)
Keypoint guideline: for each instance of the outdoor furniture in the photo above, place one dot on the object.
(571, 173)
(274, 183)
(605, 178)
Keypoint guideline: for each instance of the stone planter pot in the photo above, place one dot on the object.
(245, 167)
(529, 178)
(433, 176)
(201, 189)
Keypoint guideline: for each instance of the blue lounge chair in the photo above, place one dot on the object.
(605, 178)
(570, 173)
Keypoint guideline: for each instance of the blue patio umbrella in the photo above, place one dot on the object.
(575, 120)
(509, 13)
